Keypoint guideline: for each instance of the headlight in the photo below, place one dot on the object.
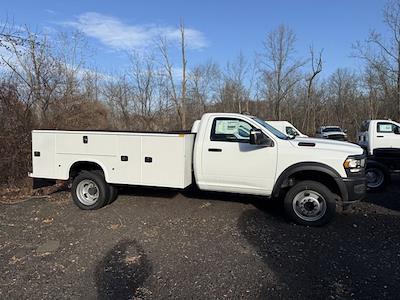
(353, 164)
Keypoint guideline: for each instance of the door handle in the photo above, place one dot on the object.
(214, 150)
(379, 136)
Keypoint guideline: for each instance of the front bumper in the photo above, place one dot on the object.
(355, 189)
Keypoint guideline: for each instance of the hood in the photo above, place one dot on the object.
(325, 144)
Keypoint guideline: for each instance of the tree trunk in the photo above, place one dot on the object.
(183, 100)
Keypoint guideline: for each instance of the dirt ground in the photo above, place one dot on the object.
(152, 244)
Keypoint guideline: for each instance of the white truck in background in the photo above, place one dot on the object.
(286, 128)
(331, 132)
(381, 140)
(225, 153)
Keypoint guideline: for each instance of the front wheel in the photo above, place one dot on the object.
(310, 203)
(375, 178)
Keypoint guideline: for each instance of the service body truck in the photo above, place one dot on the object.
(224, 152)
(381, 140)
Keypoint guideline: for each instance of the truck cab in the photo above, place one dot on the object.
(244, 154)
(379, 135)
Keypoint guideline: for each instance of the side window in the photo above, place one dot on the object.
(230, 130)
(364, 126)
(384, 127)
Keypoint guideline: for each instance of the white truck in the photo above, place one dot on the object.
(331, 132)
(287, 128)
(224, 152)
(381, 140)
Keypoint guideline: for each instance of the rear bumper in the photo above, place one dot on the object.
(355, 189)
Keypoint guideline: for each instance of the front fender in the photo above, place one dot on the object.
(310, 166)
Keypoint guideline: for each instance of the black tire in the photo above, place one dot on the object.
(376, 178)
(98, 193)
(310, 203)
(113, 190)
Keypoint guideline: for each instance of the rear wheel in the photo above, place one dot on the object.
(310, 203)
(90, 191)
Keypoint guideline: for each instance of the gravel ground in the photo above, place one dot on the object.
(156, 244)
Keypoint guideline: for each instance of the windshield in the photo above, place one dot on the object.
(271, 129)
(331, 129)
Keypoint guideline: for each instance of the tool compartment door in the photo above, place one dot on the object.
(163, 161)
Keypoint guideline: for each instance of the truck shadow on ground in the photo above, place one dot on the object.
(389, 197)
(157, 192)
(354, 257)
(122, 271)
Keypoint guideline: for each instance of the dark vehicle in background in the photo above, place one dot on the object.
(331, 132)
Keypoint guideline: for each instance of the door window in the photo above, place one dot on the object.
(385, 127)
(230, 130)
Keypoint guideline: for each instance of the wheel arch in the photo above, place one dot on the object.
(86, 165)
(318, 172)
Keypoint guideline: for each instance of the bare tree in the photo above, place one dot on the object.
(279, 68)
(310, 107)
(237, 86)
(383, 55)
(34, 67)
(178, 99)
(203, 85)
(118, 95)
(183, 84)
(10, 34)
(146, 85)
(70, 52)
(343, 89)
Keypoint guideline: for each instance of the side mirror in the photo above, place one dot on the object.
(258, 138)
(396, 130)
(345, 131)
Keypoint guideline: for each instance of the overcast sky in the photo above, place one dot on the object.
(217, 30)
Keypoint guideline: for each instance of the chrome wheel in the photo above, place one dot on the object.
(87, 192)
(375, 177)
(309, 205)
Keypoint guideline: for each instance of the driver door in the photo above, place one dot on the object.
(230, 163)
(385, 136)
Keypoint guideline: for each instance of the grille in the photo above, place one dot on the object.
(338, 137)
